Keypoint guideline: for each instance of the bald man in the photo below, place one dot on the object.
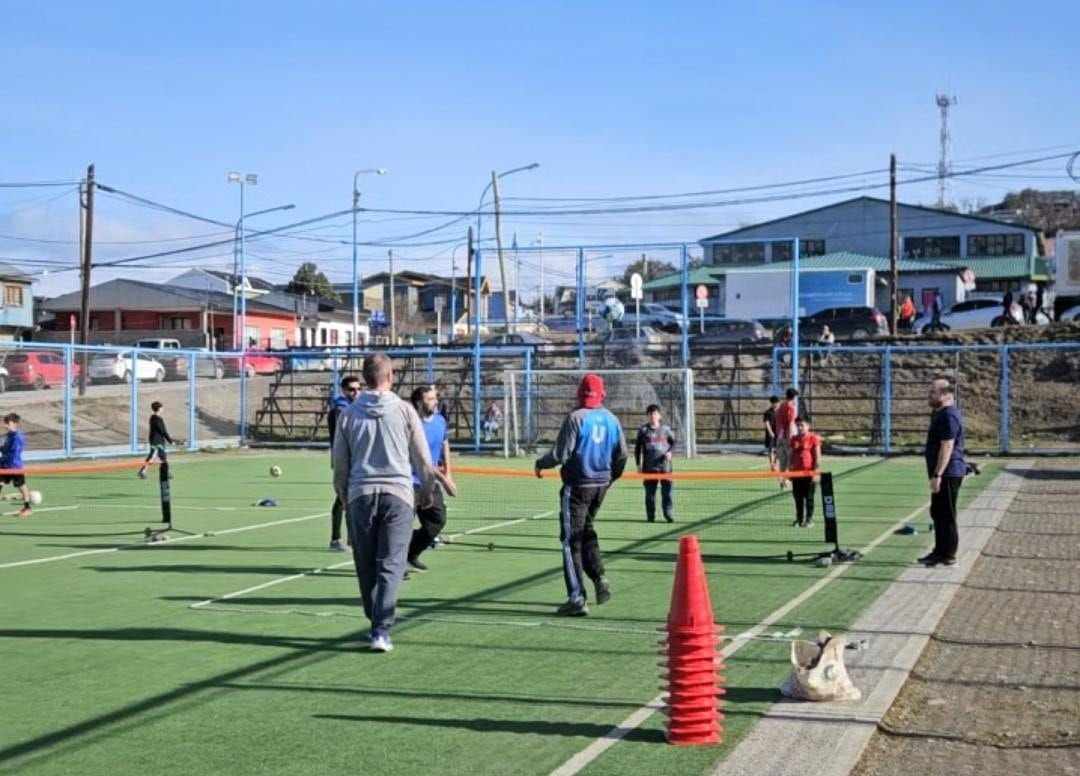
(946, 469)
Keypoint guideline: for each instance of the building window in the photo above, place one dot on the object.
(739, 253)
(251, 333)
(782, 251)
(931, 247)
(322, 336)
(176, 322)
(1010, 244)
(13, 296)
(811, 247)
(333, 336)
(277, 339)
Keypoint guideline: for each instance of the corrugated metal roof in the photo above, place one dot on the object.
(849, 260)
(11, 272)
(124, 294)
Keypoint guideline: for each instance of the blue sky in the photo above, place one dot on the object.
(610, 98)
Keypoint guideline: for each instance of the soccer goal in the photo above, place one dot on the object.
(536, 401)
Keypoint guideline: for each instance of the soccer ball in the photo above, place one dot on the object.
(275, 471)
(35, 497)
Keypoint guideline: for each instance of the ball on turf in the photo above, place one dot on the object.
(275, 471)
(35, 497)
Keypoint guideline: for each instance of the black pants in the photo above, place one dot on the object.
(336, 513)
(943, 513)
(580, 545)
(160, 451)
(667, 503)
(432, 520)
(803, 488)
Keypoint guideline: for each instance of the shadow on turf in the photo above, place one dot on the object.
(532, 726)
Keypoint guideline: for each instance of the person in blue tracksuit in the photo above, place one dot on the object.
(11, 460)
(591, 451)
(350, 389)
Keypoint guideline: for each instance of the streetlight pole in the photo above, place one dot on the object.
(355, 263)
(540, 243)
(236, 241)
(249, 179)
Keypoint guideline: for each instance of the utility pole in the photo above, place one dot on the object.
(467, 296)
(944, 102)
(517, 276)
(393, 321)
(540, 242)
(498, 247)
(87, 263)
(894, 249)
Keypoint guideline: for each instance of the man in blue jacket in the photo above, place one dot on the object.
(591, 451)
(350, 389)
(11, 461)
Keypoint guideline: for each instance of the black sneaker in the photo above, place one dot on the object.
(418, 564)
(603, 591)
(669, 518)
(573, 609)
(928, 558)
(650, 519)
(943, 562)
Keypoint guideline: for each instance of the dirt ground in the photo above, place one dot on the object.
(997, 691)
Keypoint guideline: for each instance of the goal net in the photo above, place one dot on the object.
(535, 403)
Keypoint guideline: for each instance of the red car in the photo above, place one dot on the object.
(38, 370)
(254, 364)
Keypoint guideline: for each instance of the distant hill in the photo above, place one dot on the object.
(1046, 210)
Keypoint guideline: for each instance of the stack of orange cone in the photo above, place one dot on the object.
(694, 679)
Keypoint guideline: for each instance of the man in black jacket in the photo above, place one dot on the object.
(159, 436)
(350, 389)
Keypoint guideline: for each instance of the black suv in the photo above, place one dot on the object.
(729, 331)
(845, 323)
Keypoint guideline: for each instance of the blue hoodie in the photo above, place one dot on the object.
(12, 450)
(337, 404)
(590, 448)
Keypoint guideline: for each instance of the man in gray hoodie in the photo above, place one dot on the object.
(378, 445)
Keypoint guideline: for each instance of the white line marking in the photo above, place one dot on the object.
(343, 564)
(171, 540)
(583, 758)
(38, 510)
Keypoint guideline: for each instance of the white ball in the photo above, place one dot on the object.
(275, 471)
(35, 497)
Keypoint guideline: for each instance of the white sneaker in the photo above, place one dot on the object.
(381, 643)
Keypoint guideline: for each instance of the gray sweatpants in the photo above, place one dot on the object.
(380, 527)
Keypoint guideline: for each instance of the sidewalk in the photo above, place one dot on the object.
(806, 739)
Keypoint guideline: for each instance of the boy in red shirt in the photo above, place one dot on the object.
(805, 456)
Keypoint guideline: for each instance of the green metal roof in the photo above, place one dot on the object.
(984, 267)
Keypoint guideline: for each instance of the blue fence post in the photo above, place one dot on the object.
(581, 307)
(193, 397)
(528, 397)
(134, 415)
(795, 315)
(69, 372)
(243, 396)
(430, 367)
(476, 353)
(685, 307)
(1003, 430)
(775, 370)
(886, 412)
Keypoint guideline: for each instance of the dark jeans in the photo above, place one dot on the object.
(160, 451)
(580, 544)
(803, 489)
(432, 519)
(667, 503)
(943, 513)
(380, 526)
(336, 513)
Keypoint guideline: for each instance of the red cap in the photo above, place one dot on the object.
(591, 391)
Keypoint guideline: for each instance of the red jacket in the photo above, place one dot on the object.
(802, 451)
(785, 417)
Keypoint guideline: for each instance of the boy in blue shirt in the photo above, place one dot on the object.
(591, 451)
(432, 517)
(11, 461)
(350, 389)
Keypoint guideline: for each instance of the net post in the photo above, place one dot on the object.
(828, 510)
(68, 378)
(134, 409)
(193, 379)
(166, 494)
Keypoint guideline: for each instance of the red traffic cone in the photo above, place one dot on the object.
(694, 682)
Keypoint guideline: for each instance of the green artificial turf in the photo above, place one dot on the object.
(129, 660)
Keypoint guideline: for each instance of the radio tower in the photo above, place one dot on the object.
(944, 103)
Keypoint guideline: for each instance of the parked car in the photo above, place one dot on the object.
(3, 379)
(176, 367)
(109, 368)
(1070, 314)
(254, 364)
(731, 331)
(845, 323)
(969, 314)
(38, 370)
(629, 335)
(516, 339)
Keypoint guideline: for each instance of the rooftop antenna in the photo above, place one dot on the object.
(944, 102)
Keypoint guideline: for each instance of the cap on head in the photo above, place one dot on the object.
(591, 392)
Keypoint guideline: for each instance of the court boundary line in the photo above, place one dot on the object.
(343, 564)
(617, 733)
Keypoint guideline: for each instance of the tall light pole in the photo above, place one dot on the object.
(245, 180)
(540, 244)
(495, 178)
(236, 241)
(355, 264)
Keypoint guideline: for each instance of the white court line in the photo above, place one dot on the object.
(38, 510)
(583, 758)
(343, 564)
(119, 547)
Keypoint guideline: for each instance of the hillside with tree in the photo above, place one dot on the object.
(1049, 211)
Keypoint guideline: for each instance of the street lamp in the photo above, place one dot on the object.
(245, 180)
(355, 265)
(242, 276)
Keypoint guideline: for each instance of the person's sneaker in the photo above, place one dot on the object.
(418, 564)
(650, 519)
(603, 591)
(808, 523)
(573, 609)
(669, 518)
(336, 545)
(943, 562)
(142, 474)
(380, 642)
(25, 512)
(927, 558)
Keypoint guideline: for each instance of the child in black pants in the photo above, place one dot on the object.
(805, 457)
